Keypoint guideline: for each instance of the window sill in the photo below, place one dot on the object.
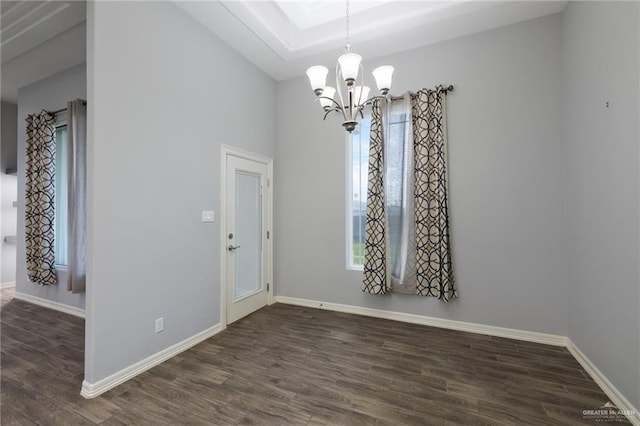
(61, 268)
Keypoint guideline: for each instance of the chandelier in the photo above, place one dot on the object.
(353, 95)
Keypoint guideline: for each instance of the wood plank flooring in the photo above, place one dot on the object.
(296, 366)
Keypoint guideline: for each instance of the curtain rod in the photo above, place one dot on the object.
(446, 89)
(58, 111)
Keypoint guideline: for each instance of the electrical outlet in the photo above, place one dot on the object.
(159, 325)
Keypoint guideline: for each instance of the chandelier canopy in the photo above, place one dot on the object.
(353, 95)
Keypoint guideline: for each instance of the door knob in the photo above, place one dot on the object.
(232, 247)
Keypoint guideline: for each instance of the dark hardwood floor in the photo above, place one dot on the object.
(293, 365)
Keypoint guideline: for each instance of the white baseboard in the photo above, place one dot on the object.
(71, 310)
(8, 284)
(607, 387)
(616, 397)
(91, 390)
(530, 336)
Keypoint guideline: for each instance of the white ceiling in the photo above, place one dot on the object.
(39, 39)
(282, 37)
(285, 37)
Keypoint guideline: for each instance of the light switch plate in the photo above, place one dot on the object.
(159, 325)
(208, 216)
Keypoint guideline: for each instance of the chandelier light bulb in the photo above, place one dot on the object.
(327, 96)
(350, 65)
(361, 94)
(318, 78)
(383, 76)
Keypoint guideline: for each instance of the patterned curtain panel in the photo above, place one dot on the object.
(375, 264)
(411, 253)
(435, 274)
(39, 198)
(77, 190)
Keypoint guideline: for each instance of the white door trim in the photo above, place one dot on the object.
(225, 151)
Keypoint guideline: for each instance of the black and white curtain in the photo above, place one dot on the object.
(375, 263)
(407, 242)
(40, 198)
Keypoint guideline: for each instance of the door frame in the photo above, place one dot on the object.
(225, 151)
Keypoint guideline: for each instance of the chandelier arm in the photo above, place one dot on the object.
(373, 98)
(354, 104)
(332, 100)
(361, 69)
(351, 106)
(339, 90)
(361, 113)
(329, 112)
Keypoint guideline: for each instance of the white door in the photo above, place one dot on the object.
(246, 236)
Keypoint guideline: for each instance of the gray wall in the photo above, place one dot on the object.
(505, 182)
(9, 145)
(600, 59)
(164, 94)
(51, 94)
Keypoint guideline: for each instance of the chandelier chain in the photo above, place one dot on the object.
(348, 45)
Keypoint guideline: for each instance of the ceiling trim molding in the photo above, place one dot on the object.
(60, 7)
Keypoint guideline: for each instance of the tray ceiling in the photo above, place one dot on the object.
(285, 37)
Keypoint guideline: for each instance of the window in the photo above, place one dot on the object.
(357, 192)
(396, 159)
(61, 195)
